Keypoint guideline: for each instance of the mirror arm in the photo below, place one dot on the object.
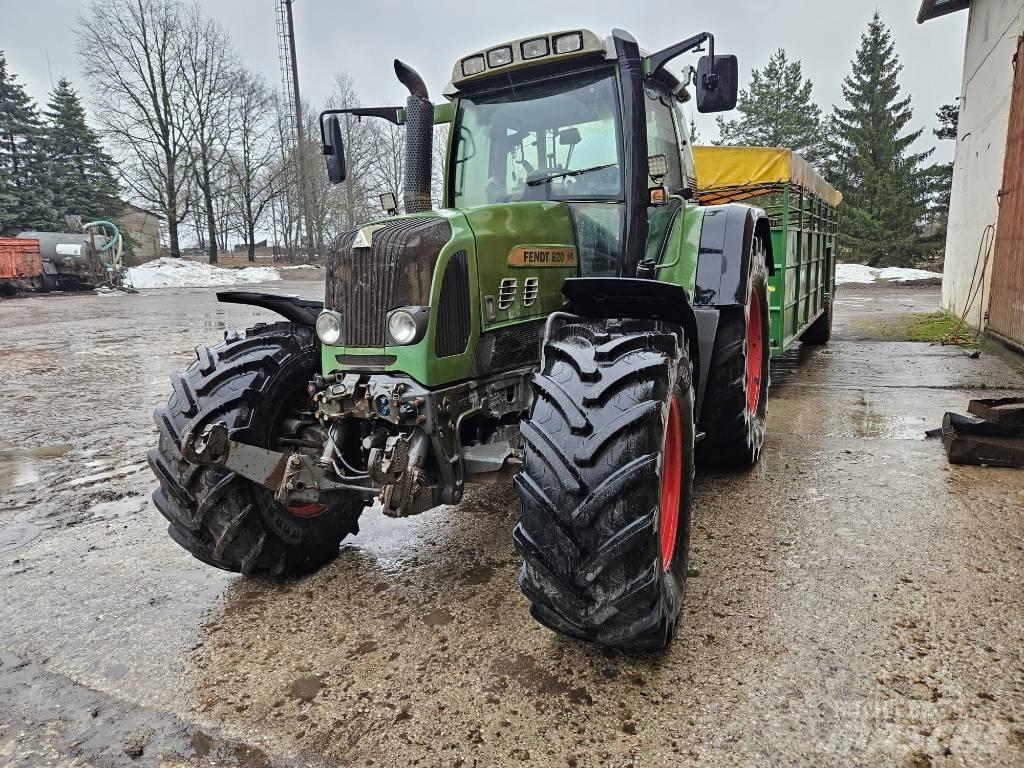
(391, 114)
(661, 58)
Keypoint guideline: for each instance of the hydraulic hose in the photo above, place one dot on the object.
(115, 246)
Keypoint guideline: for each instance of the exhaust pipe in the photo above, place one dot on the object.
(419, 139)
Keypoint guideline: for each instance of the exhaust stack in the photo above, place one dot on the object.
(419, 138)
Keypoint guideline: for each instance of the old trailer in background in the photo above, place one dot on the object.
(21, 265)
(70, 260)
(803, 210)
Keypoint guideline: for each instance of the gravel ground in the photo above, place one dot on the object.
(855, 600)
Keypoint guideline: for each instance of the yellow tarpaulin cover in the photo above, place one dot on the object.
(732, 173)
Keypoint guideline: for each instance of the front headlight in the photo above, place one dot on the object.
(328, 327)
(402, 326)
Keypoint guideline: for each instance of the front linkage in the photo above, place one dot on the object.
(379, 436)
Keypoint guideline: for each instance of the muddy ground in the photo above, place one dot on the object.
(855, 600)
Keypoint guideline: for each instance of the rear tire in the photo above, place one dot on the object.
(220, 517)
(607, 484)
(735, 409)
(820, 331)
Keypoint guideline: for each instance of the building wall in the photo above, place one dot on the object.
(992, 32)
(144, 229)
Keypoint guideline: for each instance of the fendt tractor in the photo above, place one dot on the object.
(572, 319)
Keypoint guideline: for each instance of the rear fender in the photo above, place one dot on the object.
(293, 308)
(634, 298)
(723, 265)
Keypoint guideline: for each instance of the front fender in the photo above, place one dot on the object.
(634, 298)
(293, 308)
(723, 263)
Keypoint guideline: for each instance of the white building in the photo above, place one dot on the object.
(988, 178)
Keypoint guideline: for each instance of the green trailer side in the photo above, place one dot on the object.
(804, 214)
(804, 230)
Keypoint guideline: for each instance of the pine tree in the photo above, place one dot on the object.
(884, 187)
(26, 196)
(694, 132)
(84, 175)
(939, 178)
(777, 110)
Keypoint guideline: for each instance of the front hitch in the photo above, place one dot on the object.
(295, 478)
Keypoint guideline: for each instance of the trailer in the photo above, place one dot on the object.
(71, 261)
(804, 213)
(21, 265)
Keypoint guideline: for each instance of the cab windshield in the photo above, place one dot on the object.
(555, 139)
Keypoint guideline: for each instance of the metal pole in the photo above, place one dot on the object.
(300, 135)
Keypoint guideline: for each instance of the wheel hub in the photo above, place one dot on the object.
(307, 510)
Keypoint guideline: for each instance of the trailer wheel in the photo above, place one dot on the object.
(607, 484)
(251, 382)
(820, 331)
(735, 408)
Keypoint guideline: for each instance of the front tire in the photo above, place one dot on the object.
(251, 382)
(607, 484)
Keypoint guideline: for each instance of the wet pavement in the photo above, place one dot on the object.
(855, 600)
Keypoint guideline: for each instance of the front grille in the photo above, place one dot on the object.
(363, 284)
(365, 361)
(515, 347)
(453, 314)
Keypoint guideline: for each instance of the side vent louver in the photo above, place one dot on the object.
(507, 292)
(454, 324)
(531, 291)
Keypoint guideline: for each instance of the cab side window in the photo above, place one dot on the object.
(689, 170)
(662, 138)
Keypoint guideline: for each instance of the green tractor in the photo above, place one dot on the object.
(571, 320)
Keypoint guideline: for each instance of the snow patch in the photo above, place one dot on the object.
(860, 274)
(167, 272)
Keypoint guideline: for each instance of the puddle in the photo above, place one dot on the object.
(305, 688)
(111, 510)
(18, 533)
(437, 618)
(870, 424)
(477, 575)
(20, 466)
(98, 729)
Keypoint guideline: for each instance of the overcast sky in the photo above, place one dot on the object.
(361, 37)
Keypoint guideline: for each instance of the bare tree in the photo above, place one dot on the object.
(359, 140)
(287, 208)
(437, 171)
(388, 161)
(251, 162)
(131, 52)
(210, 71)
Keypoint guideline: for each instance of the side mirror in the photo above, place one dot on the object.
(717, 87)
(333, 148)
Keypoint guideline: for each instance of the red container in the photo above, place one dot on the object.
(20, 259)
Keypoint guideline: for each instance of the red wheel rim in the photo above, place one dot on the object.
(671, 486)
(307, 510)
(755, 352)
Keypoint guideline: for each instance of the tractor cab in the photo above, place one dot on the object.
(572, 118)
